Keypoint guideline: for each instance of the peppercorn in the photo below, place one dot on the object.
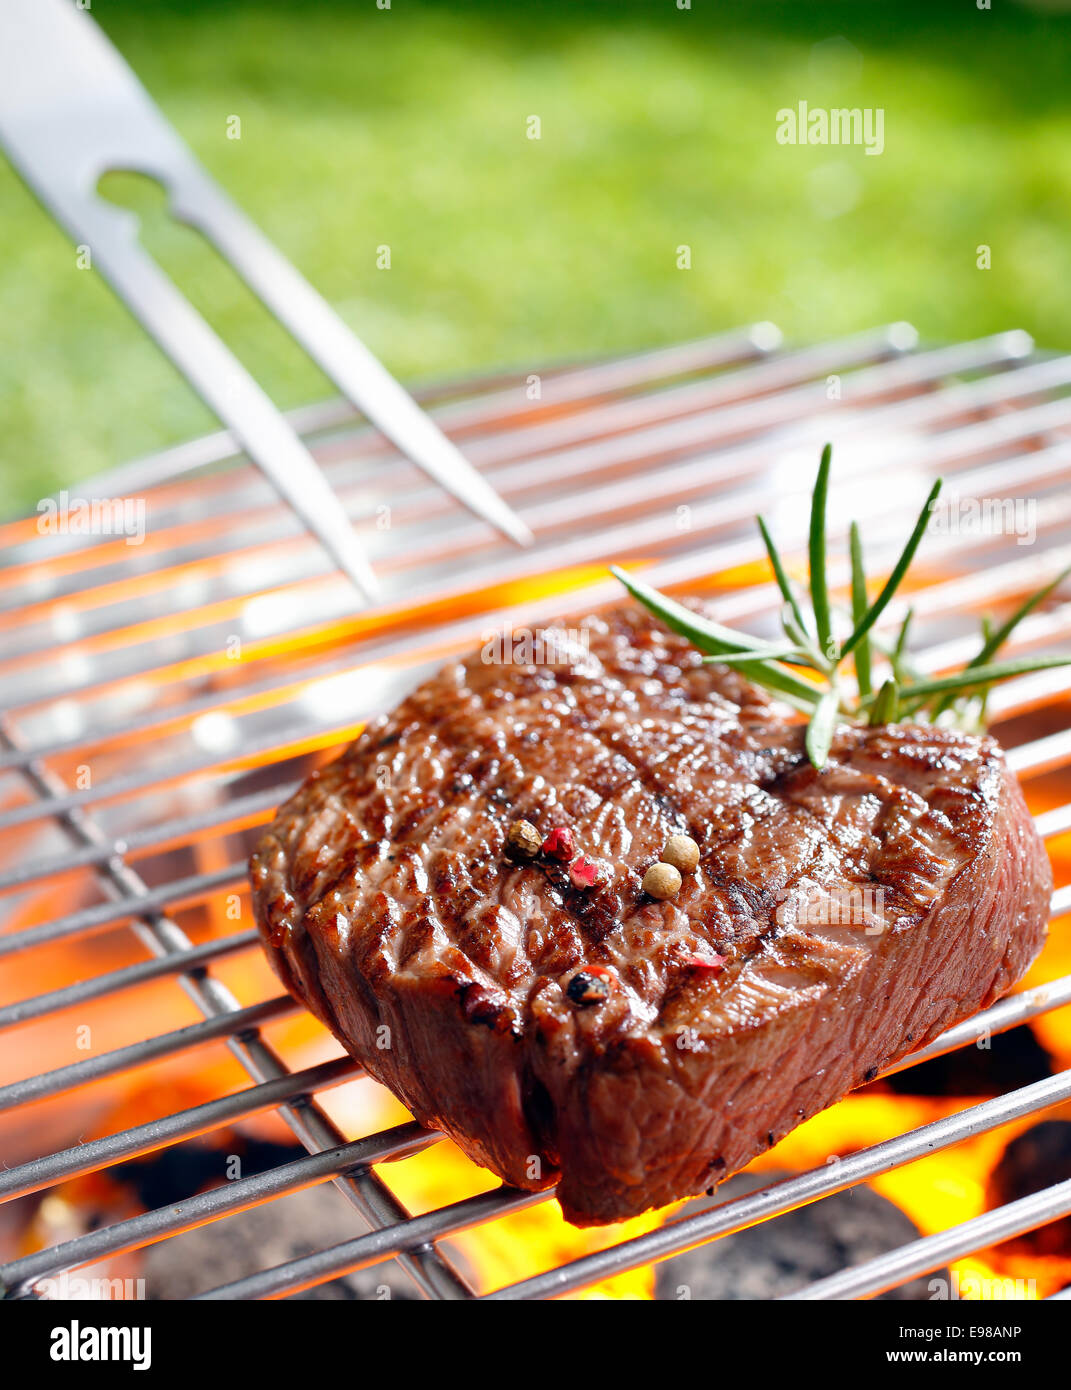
(585, 872)
(682, 852)
(662, 881)
(704, 962)
(590, 986)
(560, 844)
(523, 840)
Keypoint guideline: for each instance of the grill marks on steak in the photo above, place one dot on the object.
(388, 903)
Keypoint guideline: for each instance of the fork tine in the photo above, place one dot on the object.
(228, 389)
(358, 374)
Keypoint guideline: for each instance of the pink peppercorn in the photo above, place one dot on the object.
(706, 962)
(560, 844)
(584, 872)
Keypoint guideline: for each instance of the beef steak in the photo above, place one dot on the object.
(858, 911)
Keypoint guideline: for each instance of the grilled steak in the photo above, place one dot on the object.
(637, 1051)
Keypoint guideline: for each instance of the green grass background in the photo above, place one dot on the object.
(407, 127)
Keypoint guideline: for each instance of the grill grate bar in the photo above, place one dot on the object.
(133, 782)
(98, 853)
(1049, 824)
(95, 1154)
(76, 924)
(322, 1265)
(100, 986)
(362, 1251)
(539, 473)
(687, 1232)
(1055, 459)
(561, 430)
(707, 520)
(930, 1253)
(58, 803)
(158, 1047)
(1049, 753)
(1043, 755)
(1040, 754)
(648, 528)
(207, 538)
(179, 1040)
(157, 720)
(237, 1195)
(764, 375)
(1054, 822)
(1006, 1013)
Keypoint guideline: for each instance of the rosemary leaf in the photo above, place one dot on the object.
(903, 670)
(819, 587)
(995, 640)
(783, 581)
(792, 629)
(879, 605)
(820, 729)
(901, 636)
(992, 641)
(987, 633)
(793, 654)
(886, 708)
(708, 636)
(973, 678)
(859, 607)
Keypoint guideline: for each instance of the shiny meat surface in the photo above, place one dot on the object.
(835, 921)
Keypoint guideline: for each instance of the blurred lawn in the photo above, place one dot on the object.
(407, 127)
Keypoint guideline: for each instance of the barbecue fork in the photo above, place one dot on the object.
(71, 110)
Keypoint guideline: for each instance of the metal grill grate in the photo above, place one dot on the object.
(196, 674)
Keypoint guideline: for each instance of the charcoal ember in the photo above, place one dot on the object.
(782, 1255)
(1013, 1059)
(1036, 1159)
(267, 1235)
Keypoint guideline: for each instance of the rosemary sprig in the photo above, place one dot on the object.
(812, 644)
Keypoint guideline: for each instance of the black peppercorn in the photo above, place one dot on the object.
(589, 986)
